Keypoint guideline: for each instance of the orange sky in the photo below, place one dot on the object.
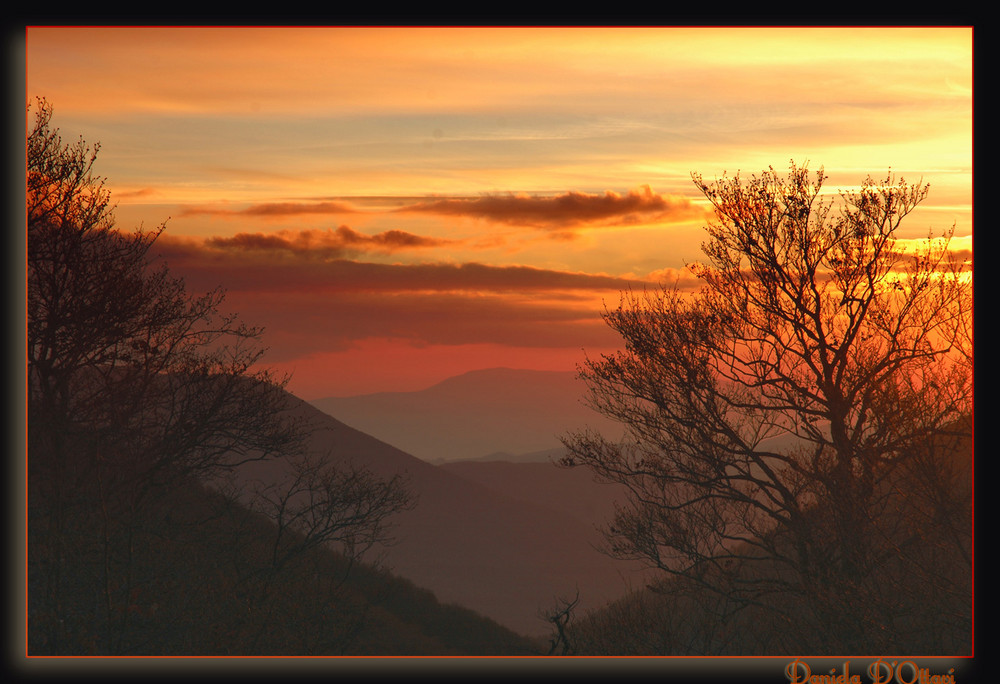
(400, 205)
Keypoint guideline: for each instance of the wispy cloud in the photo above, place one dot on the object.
(272, 209)
(316, 322)
(134, 194)
(310, 305)
(568, 210)
(330, 243)
(287, 261)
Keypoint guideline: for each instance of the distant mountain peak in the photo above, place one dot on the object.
(468, 416)
(502, 547)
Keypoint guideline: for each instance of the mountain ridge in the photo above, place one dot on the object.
(453, 381)
(504, 555)
(475, 414)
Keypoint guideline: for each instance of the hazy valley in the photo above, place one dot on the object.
(505, 538)
(496, 413)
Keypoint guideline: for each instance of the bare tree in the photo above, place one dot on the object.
(135, 389)
(133, 384)
(774, 417)
(322, 503)
(560, 617)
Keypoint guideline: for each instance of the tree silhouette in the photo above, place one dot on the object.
(779, 418)
(560, 616)
(136, 390)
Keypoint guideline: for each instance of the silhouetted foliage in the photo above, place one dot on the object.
(137, 393)
(783, 421)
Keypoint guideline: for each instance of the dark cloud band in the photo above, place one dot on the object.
(567, 210)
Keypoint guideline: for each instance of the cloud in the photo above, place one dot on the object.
(680, 278)
(135, 194)
(273, 209)
(287, 262)
(314, 305)
(324, 243)
(568, 210)
(315, 322)
(960, 247)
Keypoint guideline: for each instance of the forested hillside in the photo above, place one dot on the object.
(202, 581)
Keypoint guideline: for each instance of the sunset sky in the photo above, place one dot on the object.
(399, 205)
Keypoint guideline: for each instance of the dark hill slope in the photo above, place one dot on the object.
(497, 553)
(192, 577)
(572, 491)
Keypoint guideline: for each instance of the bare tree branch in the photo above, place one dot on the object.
(771, 415)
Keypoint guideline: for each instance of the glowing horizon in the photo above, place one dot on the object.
(396, 205)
